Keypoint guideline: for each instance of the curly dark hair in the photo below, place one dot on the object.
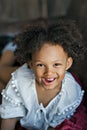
(64, 33)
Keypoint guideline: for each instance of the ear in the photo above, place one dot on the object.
(30, 64)
(69, 62)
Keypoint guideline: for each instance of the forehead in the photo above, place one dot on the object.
(50, 51)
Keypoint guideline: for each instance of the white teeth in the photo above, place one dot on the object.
(51, 79)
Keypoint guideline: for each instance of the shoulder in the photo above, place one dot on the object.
(23, 78)
(71, 82)
(23, 75)
(23, 71)
(72, 90)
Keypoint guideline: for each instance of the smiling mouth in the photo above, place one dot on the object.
(48, 81)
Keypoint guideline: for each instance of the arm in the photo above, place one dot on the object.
(5, 73)
(1, 86)
(8, 124)
(6, 66)
(7, 58)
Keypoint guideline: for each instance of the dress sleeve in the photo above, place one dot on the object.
(12, 104)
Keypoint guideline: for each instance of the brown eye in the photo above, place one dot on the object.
(57, 64)
(40, 65)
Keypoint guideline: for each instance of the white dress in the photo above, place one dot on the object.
(20, 100)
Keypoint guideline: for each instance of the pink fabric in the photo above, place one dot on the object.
(77, 122)
(77, 79)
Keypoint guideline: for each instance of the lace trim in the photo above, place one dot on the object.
(9, 99)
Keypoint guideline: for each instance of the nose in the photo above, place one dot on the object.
(49, 71)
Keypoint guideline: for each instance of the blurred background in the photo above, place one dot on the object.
(16, 13)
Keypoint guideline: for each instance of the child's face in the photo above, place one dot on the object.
(50, 65)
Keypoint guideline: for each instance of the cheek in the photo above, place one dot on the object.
(62, 70)
(61, 73)
(38, 73)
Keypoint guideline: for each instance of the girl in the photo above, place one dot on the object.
(42, 94)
